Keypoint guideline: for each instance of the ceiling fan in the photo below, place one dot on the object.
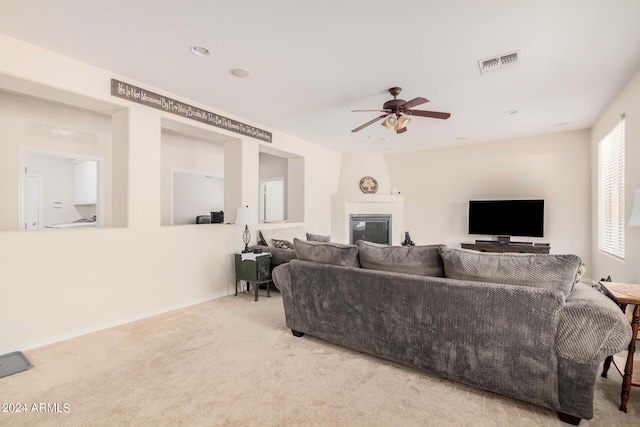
(396, 112)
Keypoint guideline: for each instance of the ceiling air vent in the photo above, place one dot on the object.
(499, 62)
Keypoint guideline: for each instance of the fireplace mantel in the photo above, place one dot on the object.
(343, 205)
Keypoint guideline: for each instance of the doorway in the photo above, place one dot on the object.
(32, 201)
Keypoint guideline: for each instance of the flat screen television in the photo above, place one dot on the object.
(507, 217)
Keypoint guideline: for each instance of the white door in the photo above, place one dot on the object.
(272, 199)
(32, 202)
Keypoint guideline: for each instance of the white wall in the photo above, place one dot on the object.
(59, 283)
(355, 166)
(438, 184)
(273, 166)
(627, 270)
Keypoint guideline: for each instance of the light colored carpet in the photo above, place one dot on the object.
(233, 362)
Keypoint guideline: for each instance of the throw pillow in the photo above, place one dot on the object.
(556, 272)
(282, 244)
(282, 234)
(418, 260)
(260, 240)
(318, 238)
(327, 252)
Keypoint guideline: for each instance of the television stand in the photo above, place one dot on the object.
(513, 247)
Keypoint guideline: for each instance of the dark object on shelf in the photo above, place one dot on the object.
(257, 250)
(407, 240)
(217, 217)
(203, 219)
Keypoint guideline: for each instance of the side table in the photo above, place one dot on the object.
(625, 294)
(253, 268)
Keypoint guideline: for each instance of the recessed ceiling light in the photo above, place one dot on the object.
(239, 72)
(367, 137)
(510, 112)
(200, 50)
(461, 138)
(562, 123)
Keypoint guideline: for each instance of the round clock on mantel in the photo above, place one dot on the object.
(368, 185)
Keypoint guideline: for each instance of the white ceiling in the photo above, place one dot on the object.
(312, 62)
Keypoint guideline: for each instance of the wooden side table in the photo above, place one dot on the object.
(626, 294)
(253, 268)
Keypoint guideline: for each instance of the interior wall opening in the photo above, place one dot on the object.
(54, 149)
(192, 175)
(60, 191)
(281, 186)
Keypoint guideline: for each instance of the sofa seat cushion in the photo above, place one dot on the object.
(288, 234)
(418, 260)
(555, 272)
(327, 252)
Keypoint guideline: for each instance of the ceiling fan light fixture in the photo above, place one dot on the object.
(403, 121)
(391, 121)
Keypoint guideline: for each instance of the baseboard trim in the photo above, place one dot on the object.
(80, 332)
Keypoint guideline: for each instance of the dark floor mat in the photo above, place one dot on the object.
(12, 363)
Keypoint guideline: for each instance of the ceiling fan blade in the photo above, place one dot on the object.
(369, 123)
(413, 103)
(359, 111)
(432, 114)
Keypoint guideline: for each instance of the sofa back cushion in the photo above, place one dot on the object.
(419, 260)
(327, 252)
(555, 272)
(318, 237)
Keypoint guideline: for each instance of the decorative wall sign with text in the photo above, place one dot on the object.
(151, 99)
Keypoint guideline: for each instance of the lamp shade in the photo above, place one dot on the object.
(634, 221)
(390, 122)
(403, 121)
(246, 216)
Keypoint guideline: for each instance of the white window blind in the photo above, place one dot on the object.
(611, 215)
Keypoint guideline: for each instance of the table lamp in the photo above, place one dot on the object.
(246, 216)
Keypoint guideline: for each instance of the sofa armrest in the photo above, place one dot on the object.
(281, 276)
(591, 326)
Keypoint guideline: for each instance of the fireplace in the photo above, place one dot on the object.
(371, 228)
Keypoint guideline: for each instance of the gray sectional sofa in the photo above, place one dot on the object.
(515, 324)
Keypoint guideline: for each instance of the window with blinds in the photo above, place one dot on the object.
(611, 213)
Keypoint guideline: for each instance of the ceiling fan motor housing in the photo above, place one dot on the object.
(393, 104)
